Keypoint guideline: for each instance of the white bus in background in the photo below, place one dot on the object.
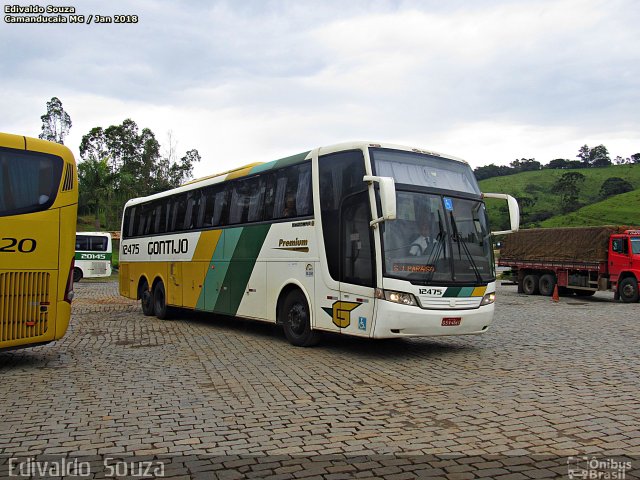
(93, 255)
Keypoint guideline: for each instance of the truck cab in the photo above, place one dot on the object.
(624, 264)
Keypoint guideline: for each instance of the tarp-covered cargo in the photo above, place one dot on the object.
(579, 244)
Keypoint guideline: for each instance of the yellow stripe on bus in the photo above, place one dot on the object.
(206, 245)
(479, 291)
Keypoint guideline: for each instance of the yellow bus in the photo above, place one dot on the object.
(38, 212)
(363, 239)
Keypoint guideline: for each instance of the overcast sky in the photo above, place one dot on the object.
(255, 80)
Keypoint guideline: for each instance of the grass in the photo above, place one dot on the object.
(618, 210)
(539, 186)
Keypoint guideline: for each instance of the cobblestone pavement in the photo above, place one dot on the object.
(214, 397)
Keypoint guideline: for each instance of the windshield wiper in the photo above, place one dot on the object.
(463, 244)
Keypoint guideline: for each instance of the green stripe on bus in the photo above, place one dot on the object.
(452, 291)
(283, 162)
(217, 270)
(244, 259)
(466, 292)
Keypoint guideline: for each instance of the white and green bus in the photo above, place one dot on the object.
(364, 239)
(93, 255)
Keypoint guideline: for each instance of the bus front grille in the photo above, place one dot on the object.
(24, 305)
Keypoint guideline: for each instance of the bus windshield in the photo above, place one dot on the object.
(28, 181)
(438, 239)
(424, 170)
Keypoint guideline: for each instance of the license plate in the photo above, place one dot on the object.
(451, 321)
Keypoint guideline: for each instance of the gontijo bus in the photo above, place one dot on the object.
(93, 255)
(38, 211)
(326, 240)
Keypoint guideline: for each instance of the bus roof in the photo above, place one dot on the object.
(257, 167)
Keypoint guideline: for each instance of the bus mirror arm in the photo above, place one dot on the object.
(387, 197)
(514, 211)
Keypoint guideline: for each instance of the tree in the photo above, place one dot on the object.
(128, 160)
(492, 170)
(525, 165)
(635, 158)
(96, 187)
(569, 187)
(583, 155)
(132, 156)
(599, 156)
(558, 163)
(614, 186)
(56, 123)
(183, 171)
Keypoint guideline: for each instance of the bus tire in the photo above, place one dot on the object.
(628, 289)
(146, 299)
(296, 320)
(547, 284)
(530, 284)
(162, 311)
(77, 274)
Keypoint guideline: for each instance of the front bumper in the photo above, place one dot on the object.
(395, 320)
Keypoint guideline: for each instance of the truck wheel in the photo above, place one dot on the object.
(530, 284)
(628, 289)
(296, 320)
(547, 284)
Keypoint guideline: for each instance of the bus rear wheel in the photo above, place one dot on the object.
(77, 274)
(160, 307)
(296, 320)
(146, 300)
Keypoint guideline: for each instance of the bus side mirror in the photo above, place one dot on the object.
(514, 211)
(387, 197)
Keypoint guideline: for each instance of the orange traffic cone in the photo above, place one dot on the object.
(556, 296)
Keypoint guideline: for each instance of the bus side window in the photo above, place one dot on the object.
(340, 176)
(269, 195)
(82, 242)
(256, 199)
(304, 205)
(221, 207)
(180, 210)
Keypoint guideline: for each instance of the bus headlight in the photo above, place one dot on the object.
(488, 299)
(396, 297)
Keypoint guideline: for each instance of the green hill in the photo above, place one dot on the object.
(542, 206)
(618, 210)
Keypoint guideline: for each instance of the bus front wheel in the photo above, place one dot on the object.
(162, 311)
(296, 320)
(77, 274)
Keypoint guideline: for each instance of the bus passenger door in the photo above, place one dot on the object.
(174, 287)
(357, 269)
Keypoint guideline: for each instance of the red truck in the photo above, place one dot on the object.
(579, 260)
